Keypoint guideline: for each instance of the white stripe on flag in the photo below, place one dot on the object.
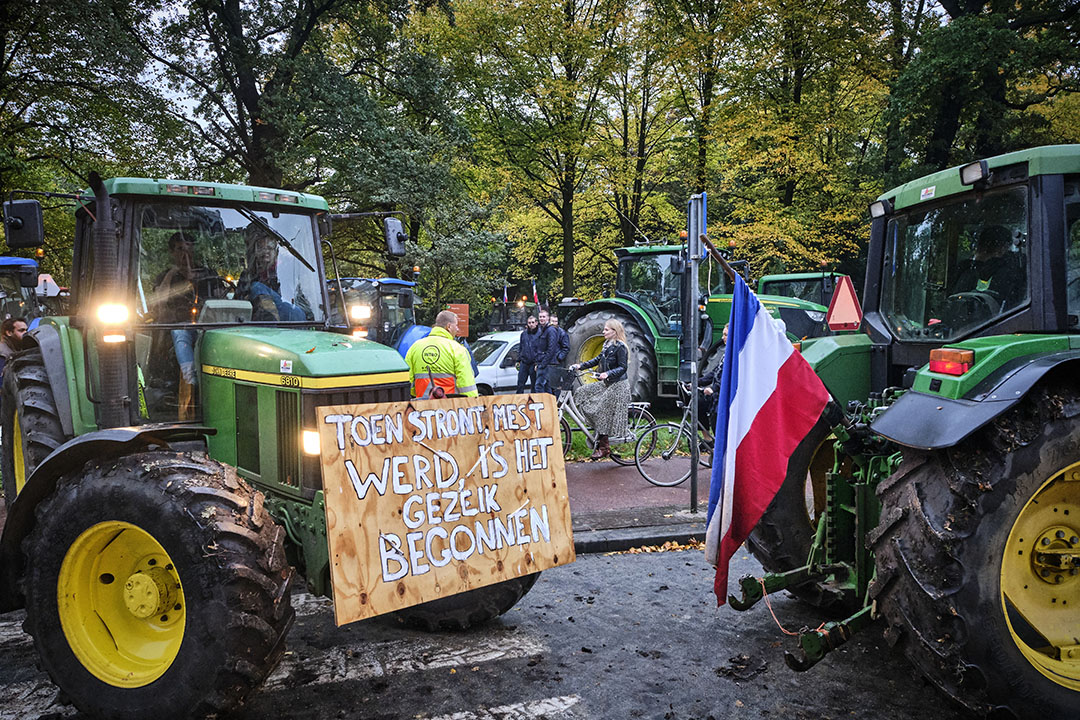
(766, 350)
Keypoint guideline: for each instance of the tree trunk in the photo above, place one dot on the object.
(567, 212)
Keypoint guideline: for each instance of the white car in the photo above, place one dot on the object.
(496, 356)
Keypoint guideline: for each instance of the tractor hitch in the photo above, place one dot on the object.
(754, 588)
(815, 644)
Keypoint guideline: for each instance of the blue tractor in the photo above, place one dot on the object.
(379, 309)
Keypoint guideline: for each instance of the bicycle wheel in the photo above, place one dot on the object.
(624, 449)
(665, 460)
(567, 434)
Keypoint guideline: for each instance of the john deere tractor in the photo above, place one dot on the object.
(157, 458)
(649, 301)
(941, 494)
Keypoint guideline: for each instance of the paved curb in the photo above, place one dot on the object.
(617, 539)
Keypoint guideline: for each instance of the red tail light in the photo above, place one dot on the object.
(949, 361)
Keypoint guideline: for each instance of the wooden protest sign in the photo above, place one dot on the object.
(430, 498)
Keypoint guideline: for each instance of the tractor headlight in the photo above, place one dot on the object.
(112, 314)
(310, 442)
(360, 312)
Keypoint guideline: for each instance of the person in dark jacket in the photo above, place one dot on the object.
(529, 354)
(564, 341)
(606, 403)
(550, 344)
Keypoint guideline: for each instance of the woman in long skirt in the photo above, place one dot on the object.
(605, 403)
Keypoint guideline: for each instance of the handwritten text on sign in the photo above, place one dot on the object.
(435, 497)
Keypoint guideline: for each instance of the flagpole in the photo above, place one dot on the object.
(696, 228)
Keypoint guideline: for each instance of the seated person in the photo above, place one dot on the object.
(994, 268)
(259, 283)
(177, 292)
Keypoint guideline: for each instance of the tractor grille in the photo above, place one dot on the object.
(288, 447)
(312, 399)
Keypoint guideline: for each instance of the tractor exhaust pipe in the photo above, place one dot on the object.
(113, 401)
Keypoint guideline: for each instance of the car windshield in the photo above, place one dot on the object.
(648, 281)
(207, 264)
(485, 352)
(955, 268)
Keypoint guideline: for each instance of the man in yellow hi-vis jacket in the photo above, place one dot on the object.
(438, 364)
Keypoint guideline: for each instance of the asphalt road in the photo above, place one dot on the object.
(610, 636)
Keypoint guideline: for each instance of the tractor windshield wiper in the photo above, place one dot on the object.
(276, 235)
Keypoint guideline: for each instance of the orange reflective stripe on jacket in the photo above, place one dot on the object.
(423, 386)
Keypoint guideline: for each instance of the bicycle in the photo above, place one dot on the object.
(623, 448)
(662, 454)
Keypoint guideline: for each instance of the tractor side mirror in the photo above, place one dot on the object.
(394, 232)
(23, 225)
(405, 299)
(326, 225)
(28, 276)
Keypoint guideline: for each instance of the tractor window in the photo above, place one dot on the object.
(201, 265)
(648, 281)
(956, 268)
(225, 265)
(1072, 248)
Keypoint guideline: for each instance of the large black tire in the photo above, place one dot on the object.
(956, 533)
(94, 541)
(782, 539)
(467, 609)
(26, 394)
(586, 338)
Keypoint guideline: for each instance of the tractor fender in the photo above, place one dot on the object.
(931, 422)
(99, 445)
(47, 338)
(615, 306)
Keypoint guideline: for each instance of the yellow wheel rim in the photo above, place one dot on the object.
(121, 604)
(17, 452)
(1040, 579)
(590, 349)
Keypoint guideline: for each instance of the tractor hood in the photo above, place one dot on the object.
(301, 353)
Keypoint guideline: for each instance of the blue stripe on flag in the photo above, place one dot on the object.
(744, 308)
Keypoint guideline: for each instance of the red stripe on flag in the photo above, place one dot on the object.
(761, 460)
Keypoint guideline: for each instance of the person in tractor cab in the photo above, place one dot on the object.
(259, 283)
(178, 292)
(439, 365)
(994, 268)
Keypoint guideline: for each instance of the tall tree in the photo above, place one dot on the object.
(637, 127)
(244, 74)
(534, 70)
(967, 92)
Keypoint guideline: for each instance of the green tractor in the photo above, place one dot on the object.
(945, 498)
(157, 458)
(649, 302)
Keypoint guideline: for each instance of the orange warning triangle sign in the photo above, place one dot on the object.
(845, 312)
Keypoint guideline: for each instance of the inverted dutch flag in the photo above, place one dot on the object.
(505, 298)
(536, 298)
(769, 400)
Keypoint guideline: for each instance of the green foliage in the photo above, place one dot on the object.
(527, 138)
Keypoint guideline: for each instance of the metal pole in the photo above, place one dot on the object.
(695, 230)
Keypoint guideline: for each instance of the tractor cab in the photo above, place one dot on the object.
(510, 314)
(18, 280)
(379, 309)
(650, 277)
